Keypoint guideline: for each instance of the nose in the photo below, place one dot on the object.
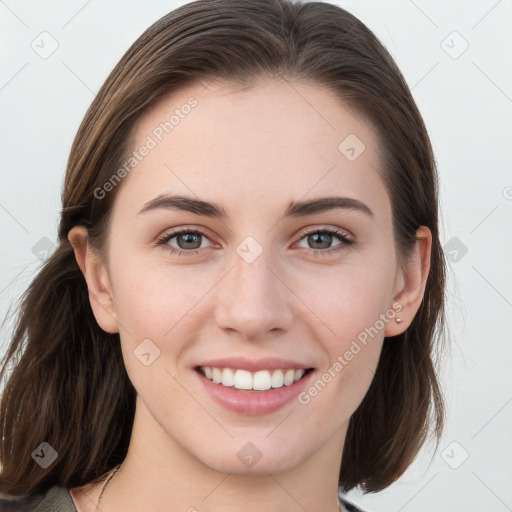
(253, 300)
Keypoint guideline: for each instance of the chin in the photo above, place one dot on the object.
(255, 455)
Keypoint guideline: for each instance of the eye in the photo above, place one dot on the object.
(321, 239)
(188, 241)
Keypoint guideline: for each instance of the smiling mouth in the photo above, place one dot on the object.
(244, 380)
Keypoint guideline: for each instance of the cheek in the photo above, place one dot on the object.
(351, 298)
(353, 306)
(155, 308)
(151, 297)
(162, 304)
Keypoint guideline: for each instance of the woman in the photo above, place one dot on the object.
(249, 285)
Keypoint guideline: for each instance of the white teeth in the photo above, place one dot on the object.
(227, 377)
(216, 375)
(277, 379)
(288, 377)
(242, 380)
(261, 380)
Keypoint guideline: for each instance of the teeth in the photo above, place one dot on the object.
(259, 381)
(242, 380)
(216, 375)
(277, 379)
(228, 377)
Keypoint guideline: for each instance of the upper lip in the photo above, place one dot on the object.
(254, 365)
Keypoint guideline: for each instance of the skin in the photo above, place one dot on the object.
(252, 151)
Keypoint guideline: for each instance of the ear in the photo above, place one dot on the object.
(95, 273)
(410, 284)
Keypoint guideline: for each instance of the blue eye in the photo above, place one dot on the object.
(188, 238)
(190, 241)
(325, 236)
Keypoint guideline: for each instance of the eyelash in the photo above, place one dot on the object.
(345, 241)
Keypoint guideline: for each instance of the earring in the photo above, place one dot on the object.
(398, 320)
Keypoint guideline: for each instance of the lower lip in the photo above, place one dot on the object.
(253, 403)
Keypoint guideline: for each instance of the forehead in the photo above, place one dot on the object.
(278, 139)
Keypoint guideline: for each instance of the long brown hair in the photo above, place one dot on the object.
(67, 385)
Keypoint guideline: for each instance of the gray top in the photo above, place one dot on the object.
(56, 499)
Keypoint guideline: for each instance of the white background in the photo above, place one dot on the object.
(467, 105)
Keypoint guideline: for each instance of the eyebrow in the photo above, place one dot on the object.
(295, 208)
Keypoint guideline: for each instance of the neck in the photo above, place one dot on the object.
(159, 474)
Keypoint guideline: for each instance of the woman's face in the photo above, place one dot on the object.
(269, 285)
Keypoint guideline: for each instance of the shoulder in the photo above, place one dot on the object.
(55, 499)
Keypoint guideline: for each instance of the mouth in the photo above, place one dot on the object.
(256, 389)
(260, 381)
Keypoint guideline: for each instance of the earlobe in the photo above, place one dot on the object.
(412, 282)
(97, 279)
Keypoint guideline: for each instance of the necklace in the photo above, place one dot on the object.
(110, 476)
